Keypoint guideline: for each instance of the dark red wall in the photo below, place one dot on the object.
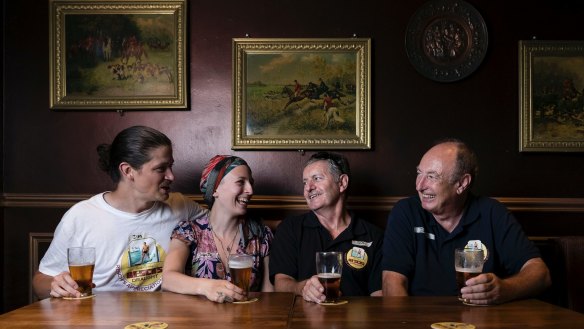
(50, 152)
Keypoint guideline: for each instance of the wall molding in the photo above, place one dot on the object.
(285, 202)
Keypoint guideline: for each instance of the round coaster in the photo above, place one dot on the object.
(247, 301)
(471, 304)
(340, 302)
(78, 298)
(452, 325)
(147, 325)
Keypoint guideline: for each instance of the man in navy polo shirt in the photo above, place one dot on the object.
(423, 231)
(329, 226)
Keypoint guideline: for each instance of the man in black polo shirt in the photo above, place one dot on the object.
(329, 226)
(423, 231)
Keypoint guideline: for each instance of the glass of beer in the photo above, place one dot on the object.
(329, 266)
(468, 263)
(240, 271)
(81, 262)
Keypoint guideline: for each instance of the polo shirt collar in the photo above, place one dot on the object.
(355, 228)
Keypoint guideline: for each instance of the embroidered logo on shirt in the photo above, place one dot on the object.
(420, 230)
(357, 258)
(362, 243)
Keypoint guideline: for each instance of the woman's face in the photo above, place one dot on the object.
(235, 191)
(152, 181)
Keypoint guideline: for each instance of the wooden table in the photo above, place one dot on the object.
(421, 312)
(116, 310)
(282, 310)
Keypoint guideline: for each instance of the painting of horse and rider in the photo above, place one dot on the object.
(106, 55)
(296, 93)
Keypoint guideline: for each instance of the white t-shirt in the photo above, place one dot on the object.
(129, 248)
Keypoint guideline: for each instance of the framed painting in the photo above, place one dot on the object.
(117, 55)
(301, 93)
(551, 81)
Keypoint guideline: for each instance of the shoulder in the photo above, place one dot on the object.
(488, 205)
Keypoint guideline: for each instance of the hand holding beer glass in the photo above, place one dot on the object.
(81, 264)
(240, 272)
(468, 263)
(329, 266)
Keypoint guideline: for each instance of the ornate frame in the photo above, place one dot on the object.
(118, 55)
(552, 96)
(268, 115)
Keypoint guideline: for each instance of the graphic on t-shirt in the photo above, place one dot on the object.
(141, 264)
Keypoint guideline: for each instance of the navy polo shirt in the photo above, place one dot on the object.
(416, 246)
(298, 238)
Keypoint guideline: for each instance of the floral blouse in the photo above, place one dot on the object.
(204, 259)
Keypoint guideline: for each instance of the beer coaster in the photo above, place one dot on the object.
(340, 302)
(78, 298)
(251, 300)
(471, 304)
(147, 325)
(452, 325)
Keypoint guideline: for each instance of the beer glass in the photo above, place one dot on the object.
(81, 262)
(468, 263)
(240, 271)
(329, 266)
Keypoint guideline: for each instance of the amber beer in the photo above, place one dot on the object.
(83, 275)
(463, 274)
(240, 271)
(81, 263)
(332, 284)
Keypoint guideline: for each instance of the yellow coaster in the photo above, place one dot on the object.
(78, 298)
(340, 302)
(471, 304)
(147, 325)
(247, 301)
(452, 325)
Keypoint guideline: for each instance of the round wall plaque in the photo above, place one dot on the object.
(446, 40)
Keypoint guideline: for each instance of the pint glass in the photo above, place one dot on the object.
(329, 266)
(468, 263)
(240, 271)
(81, 264)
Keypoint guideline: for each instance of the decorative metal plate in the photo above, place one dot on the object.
(446, 40)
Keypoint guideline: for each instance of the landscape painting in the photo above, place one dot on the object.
(301, 94)
(118, 55)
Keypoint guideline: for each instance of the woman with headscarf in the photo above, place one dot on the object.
(205, 244)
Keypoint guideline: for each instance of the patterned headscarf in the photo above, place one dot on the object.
(217, 168)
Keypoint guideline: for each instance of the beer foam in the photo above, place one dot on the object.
(240, 263)
(469, 270)
(329, 275)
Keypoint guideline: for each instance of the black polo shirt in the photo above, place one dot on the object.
(298, 238)
(416, 246)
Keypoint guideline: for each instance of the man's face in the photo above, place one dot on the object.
(320, 188)
(152, 181)
(433, 182)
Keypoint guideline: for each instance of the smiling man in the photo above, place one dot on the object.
(329, 226)
(423, 231)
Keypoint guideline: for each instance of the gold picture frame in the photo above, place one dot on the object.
(118, 55)
(551, 82)
(327, 107)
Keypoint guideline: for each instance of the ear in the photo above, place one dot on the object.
(463, 183)
(126, 171)
(343, 182)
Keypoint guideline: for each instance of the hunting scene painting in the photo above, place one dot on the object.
(129, 58)
(302, 96)
(553, 96)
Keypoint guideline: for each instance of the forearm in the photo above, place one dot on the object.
(41, 284)
(183, 284)
(532, 280)
(285, 283)
(394, 284)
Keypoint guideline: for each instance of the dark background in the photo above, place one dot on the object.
(47, 152)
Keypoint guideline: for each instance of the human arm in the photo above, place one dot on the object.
(175, 280)
(394, 284)
(61, 285)
(266, 284)
(487, 288)
(310, 289)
